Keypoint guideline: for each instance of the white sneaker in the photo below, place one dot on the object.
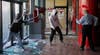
(18, 49)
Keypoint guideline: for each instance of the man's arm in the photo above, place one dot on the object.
(95, 20)
(77, 21)
(80, 21)
(51, 22)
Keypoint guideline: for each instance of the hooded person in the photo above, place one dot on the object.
(55, 25)
(15, 29)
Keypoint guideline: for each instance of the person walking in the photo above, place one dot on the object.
(87, 21)
(15, 28)
(55, 25)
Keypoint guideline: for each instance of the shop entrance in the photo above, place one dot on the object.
(62, 19)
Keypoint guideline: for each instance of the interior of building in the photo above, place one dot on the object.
(35, 33)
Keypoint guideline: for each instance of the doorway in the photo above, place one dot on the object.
(9, 12)
(6, 15)
(62, 19)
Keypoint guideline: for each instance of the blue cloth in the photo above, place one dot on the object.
(87, 19)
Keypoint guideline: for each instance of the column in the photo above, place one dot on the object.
(74, 16)
(1, 38)
(42, 17)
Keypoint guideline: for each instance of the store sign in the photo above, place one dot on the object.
(49, 3)
(60, 13)
(49, 11)
(60, 2)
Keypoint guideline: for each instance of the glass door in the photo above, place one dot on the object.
(16, 9)
(62, 19)
(6, 15)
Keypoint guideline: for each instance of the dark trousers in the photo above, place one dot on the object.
(53, 32)
(87, 32)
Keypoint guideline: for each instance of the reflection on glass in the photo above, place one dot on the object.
(5, 19)
(24, 7)
(16, 8)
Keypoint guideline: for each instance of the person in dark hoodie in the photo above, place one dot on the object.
(15, 29)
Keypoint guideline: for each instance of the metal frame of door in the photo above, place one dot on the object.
(12, 16)
(66, 16)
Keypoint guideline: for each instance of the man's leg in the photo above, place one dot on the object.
(90, 40)
(60, 33)
(83, 38)
(52, 35)
(19, 40)
(10, 38)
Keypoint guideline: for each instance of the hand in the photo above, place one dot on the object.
(76, 19)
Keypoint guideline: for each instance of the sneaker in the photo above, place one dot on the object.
(93, 50)
(81, 48)
(18, 49)
(25, 42)
(50, 44)
(62, 41)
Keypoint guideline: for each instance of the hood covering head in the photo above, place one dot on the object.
(53, 12)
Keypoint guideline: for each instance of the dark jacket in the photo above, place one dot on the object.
(16, 27)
